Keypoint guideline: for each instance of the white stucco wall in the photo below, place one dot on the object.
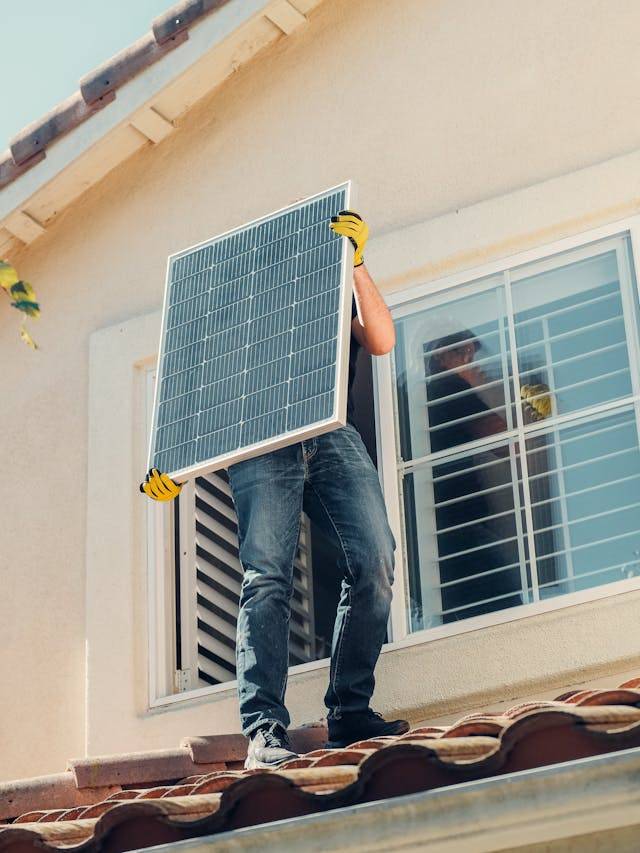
(441, 111)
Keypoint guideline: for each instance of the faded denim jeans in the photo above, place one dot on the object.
(333, 479)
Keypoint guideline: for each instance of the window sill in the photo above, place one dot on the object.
(228, 688)
(515, 614)
(427, 637)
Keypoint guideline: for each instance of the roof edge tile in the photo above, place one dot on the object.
(33, 139)
(58, 790)
(128, 63)
(180, 16)
(135, 768)
(233, 747)
(10, 170)
(98, 87)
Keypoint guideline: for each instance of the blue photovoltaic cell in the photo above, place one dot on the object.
(250, 340)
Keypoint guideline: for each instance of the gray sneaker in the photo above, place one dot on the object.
(269, 746)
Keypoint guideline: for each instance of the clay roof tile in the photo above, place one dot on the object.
(478, 746)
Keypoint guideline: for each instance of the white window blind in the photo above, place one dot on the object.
(208, 580)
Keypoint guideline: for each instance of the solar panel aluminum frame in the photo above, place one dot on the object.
(338, 417)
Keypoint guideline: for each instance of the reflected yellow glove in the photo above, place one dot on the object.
(159, 486)
(350, 224)
(537, 399)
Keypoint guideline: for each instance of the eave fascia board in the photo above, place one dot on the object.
(133, 96)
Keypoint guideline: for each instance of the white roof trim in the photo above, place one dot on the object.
(136, 98)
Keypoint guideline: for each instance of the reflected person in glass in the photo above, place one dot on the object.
(474, 507)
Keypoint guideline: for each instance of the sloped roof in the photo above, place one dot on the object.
(98, 87)
(200, 789)
(125, 90)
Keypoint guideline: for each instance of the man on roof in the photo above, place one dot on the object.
(332, 478)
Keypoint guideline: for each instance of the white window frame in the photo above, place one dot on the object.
(160, 561)
(391, 467)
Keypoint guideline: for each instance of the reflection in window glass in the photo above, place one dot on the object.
(485, 528)
(570, 332)
(469, 549)
(451, 373)
(589, 525)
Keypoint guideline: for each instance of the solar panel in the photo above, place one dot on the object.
(255, 335)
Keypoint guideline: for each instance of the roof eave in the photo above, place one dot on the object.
(88, 140)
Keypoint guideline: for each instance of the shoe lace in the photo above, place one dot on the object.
(374, 714)
(275, 736)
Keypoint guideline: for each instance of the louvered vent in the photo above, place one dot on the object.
(212, 557)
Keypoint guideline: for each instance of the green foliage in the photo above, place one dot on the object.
(23, 298)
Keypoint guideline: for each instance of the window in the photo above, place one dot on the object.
(201, 573)
(517, 408)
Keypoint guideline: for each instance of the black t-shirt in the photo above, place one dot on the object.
(457, 409)
(353, 357)
(464, 496)
(467, 480)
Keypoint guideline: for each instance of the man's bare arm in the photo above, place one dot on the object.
(376, 332)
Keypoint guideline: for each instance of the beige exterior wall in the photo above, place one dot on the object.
(441, 111)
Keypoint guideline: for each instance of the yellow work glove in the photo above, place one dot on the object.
(536, 400)
(350, 224)
(159, 486)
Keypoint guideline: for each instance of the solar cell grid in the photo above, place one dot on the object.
(250, 341)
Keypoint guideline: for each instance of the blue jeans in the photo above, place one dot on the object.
(333, 479)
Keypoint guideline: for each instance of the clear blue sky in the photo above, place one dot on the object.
(48, 45)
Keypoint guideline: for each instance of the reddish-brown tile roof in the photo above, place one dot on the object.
(98, 87)
(103, 804)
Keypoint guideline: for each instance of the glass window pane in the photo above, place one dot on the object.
(586, 503)
(465, 526)
(570, 327)
(482, 534)
(451, 369)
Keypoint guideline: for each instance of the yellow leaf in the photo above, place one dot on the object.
(22, 291)
(32, 309)
(8, 275)
(26, 337)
